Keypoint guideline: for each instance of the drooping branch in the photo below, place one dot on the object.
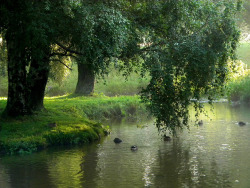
(68, 49)
(58, 60)
(64, 54)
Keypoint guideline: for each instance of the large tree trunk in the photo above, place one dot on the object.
(16, 104)
(25, 92)
(37, 80)
(86, 79)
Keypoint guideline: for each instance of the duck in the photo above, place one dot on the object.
(241, 123)
(117, 140)
(200, 123)
(134, 148)
(166, 138)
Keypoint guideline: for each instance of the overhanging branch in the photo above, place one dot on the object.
(58, 60)
(69, 49)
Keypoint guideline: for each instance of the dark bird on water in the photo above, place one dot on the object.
(117, 140)
(241, 123)
(166, 138)
(134, 148)
(200, 122)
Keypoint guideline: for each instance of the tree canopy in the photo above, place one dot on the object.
(184, 46)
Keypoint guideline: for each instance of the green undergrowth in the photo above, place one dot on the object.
(68, 120)
(239, 90)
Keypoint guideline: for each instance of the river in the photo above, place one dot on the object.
(216, 154)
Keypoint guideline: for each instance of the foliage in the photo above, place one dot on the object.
(105, 34)
(58, 71)
(183, 45)
(187, 49)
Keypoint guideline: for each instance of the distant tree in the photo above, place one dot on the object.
(105, 35)
(31, 29)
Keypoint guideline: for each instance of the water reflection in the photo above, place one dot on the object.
(213, 155)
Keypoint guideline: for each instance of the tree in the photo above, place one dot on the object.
(186, 50)
(30, 30)
(105, 34)
(184, 45)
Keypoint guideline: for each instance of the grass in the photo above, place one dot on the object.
(113, 84)
(73, 118)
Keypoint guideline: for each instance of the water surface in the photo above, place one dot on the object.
(215, 154)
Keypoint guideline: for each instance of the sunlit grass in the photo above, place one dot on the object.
(75, 119)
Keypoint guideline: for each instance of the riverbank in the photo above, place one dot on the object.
(67, 120)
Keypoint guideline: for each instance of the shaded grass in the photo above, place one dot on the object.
(71, 114)
(113, 84)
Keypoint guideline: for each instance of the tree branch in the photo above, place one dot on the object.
(62, 54)
(58, 60)
(68, 49)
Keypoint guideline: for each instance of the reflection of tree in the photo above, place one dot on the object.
(27, 171)
(64, 166)
(184, 165)
(89, 167)
(174, 166)
(4, 178)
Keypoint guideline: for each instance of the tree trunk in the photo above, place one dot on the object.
(25, 92)
(37, 80)
(86, 79)
(17, 95)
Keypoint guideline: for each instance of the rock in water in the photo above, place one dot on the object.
(117, 140)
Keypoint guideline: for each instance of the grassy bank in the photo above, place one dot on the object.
(66, 121)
